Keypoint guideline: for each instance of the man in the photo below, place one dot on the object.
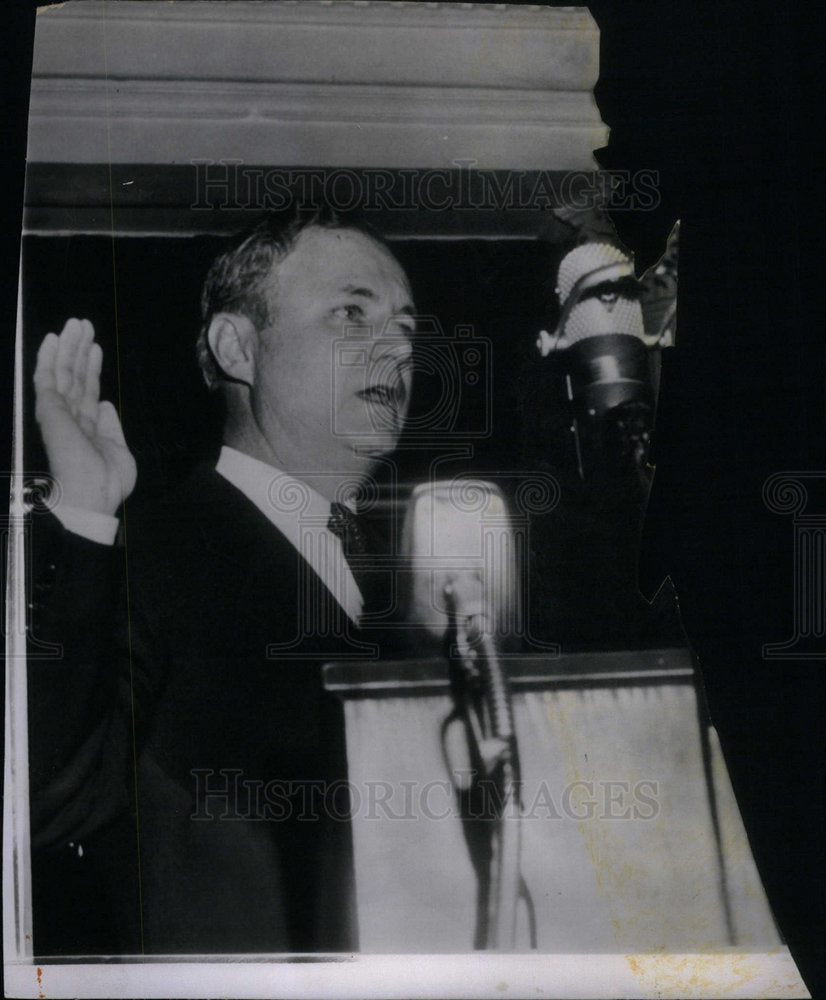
(195, 754)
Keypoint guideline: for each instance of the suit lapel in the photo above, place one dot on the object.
(274, 585)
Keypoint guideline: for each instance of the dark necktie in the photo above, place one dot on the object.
(349, 528)
(366, 555)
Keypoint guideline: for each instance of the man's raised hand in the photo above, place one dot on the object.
(84, 441)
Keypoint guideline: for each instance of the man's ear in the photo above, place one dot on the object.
(232, 340)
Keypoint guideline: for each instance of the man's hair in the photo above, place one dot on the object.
(236, 281)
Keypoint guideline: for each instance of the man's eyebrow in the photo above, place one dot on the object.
(364, 292)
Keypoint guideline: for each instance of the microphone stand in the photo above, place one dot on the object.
(484, 702)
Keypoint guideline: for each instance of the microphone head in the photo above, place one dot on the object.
(604, 355)
(598, 294)
(457, 534)
(603, 261)
(593, 318)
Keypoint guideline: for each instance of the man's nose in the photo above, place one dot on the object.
(397, 330)
(393, 345)
(391, 365)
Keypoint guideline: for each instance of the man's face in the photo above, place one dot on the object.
(333, 367)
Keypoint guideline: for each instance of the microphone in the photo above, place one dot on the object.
(460, 549)
(605, 352)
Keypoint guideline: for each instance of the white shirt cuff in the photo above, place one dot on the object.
(102, 528)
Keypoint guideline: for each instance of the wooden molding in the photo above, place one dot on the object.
(314, 82)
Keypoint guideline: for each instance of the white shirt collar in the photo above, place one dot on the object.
(300, 513)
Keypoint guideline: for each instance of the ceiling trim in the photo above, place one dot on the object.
(315, 82)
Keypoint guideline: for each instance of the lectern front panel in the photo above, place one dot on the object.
(630, 836)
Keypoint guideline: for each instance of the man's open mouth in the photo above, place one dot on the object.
(386, 405)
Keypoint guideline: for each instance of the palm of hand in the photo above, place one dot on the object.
(84, 442)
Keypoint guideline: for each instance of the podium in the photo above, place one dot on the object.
(631, 839)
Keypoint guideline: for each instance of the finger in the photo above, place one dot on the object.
(68, 343)
(91, 383)
(108, 424)
(47, 398)
(81, 362)
(44, 371)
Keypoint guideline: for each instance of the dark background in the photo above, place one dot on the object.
(724, 99)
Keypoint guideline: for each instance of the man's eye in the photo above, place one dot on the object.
(352, 312)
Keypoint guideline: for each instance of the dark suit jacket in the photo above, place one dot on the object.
(183, 741)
